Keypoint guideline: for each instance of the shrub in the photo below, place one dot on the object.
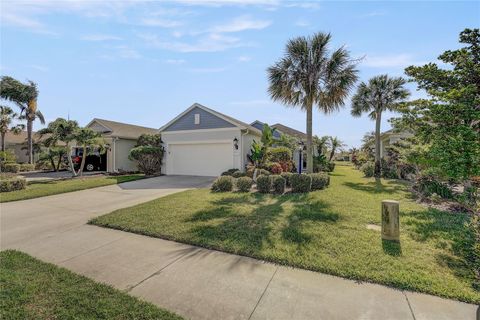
(275, 168)
(223, 184)
(319, 180)
(7, 156)
(264, 183)
(278, 184)
(287, 176)
(331, 166)
(244, 184)
(368, 169)
(279, 154)
(263, 172)
(11, 167)
(427, 185)
(301, 183)
(12, 184)
(287, 166)
(25, 167)
(149, 158)
(239, 174)
(229, 172)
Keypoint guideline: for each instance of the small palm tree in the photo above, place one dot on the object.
(25, 97)
(310, 75)
(88, 140)
(322, 144)
(335, 145)
(381, 93)
(6, 118)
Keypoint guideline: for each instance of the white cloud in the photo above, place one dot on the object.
(375, 13)
(393, 61)
(100, 37)
(241, 24)
(122, 52)
(210, 43)
(175, 61)
(29, 23)
(159, 22)
(244, 58)
(39, 68)
(302, 23)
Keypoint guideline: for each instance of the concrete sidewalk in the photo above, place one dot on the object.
(194, 282)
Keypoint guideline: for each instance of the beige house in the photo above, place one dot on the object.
(16, 142)
(120, 138)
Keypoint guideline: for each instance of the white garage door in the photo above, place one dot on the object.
(205, 159)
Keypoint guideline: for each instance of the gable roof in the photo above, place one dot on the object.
(235, 122)
(122, 130)
(11, 138)
(284, 129)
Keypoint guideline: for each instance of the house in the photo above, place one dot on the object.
(204, 142)
(299, 159)
(17, 144)
(391, 136)
(120, 139)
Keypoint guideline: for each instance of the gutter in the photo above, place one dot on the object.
(242, 159)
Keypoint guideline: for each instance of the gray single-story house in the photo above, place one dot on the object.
(120, 139)
(204, 142)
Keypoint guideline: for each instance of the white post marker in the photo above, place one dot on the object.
(390, 220)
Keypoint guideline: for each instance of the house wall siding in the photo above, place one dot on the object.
(122, 149)
(207, 121)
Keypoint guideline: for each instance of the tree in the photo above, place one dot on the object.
(335, 145)
(88, 140)
(148, 153)
(380, 94)
(6, 118)
(309, 75)
(448, 122)
(267, 136)
(54, 155)
(25, 97)
(322, 144)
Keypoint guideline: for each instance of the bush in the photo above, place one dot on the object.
(25, 167)
(287, 176)
(264, 183)
(11, 167)
(287, 166)
(12, 184)
(229, 172)
(278, 184)
(427, 185)
(319, 180)
(263, 172)
(239, 174)
(149, 158)
(331, 166)
(244, 184)
(275, 168)
(223, 184)
(279, 154)
(7, 156)
(301, 183)
(368, 169)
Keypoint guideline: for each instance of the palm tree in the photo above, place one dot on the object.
(6, 118)
(88, 140)
(25, 97)
(309, 75)
(381, 93)
(335, 145)
(322, 144)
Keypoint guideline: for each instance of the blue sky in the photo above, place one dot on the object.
(144, 62)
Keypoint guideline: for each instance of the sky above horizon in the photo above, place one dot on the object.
(144, 62)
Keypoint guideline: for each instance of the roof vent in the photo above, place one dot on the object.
(197, 118)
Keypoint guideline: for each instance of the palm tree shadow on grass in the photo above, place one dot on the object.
(377, 187)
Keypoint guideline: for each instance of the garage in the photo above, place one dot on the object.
(202, 159)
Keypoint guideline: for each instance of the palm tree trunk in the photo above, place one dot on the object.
(82, 164)
(309, 140)
(29, 140)
(378, 163)
(332, 153)
(70, 162)
(3, 141)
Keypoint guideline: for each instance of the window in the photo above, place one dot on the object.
(197, 118)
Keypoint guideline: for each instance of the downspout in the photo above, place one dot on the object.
(242, 157)
(114, 153)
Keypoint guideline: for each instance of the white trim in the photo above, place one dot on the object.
(199, 130)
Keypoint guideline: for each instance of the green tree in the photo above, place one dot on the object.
(448, 122)
(322, 143)
(6, 119)
(335, 145)
(380, 94)
(148, 153)
(310, 75)
(88, 140)
(25, 97)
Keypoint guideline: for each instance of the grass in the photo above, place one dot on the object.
(38, 189)
(32, 289)
(322, 231)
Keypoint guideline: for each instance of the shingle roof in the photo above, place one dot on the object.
(11, 138)
(123, 130)
(290, 131)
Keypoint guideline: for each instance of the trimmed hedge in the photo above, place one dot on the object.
(229, 172)
(11, 167)
(319, 180)
(264, 183)
(244, 184)
(301, 183)
(287, 176)
(223, 184)
(239, 174)
(263, 172)
(368, 169)
(278, 184)
(279, 154)
(12, 184)
(25, 167)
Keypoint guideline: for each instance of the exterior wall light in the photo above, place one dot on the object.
(235, 143)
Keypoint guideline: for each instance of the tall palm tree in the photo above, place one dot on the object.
(25, 97)
(6, 118)
(381, 93)
(310, 75)
(335, 145)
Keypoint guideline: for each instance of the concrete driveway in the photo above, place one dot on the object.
(194, 282)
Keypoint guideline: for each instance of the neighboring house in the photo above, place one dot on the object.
(203, 142)
(17, 143)
(389, 137)
(300, 162)
(120, 138)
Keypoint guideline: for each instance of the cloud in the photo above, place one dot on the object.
(210, 43)
(244, 58)
(302, 23)
(29, 23)
(100, 37)
(159, 22)
(375, 13)
(122, 52)
(241, 24)
(175, 61)
(390, 61)
(39, 68)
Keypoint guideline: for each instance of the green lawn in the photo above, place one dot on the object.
(322, 231)
(32, 289)
(48, 188)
